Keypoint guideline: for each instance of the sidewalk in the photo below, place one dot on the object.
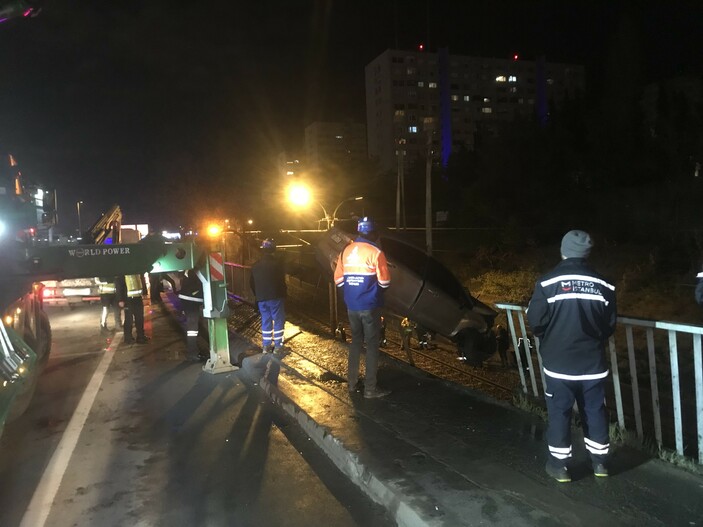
(437, 455)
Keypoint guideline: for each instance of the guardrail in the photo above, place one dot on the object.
(238, 278)
(633, 329)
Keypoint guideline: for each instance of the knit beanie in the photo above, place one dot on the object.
(576, 244)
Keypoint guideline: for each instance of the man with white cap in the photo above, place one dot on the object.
(573, 313)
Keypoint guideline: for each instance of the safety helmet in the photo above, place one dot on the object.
(365, 225)
(268, 245)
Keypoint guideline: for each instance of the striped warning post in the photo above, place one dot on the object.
(217, 268)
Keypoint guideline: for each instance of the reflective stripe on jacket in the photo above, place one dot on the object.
(191, 288)
(362, 270)
(573, 313)
(134, 285)
(106, 286)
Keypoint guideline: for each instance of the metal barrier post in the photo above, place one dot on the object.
(676, 390)
(526, 345)
(516, 348)
(654, 385)
(634, 381)
(698, 365)
(616, 383)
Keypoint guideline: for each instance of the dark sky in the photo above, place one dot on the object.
(131, 101)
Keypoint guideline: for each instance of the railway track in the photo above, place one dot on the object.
(310, 308)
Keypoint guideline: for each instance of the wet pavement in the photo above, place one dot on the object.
(435, 454)
(132, 435)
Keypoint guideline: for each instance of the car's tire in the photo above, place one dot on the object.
(41, 346)
(475, 347)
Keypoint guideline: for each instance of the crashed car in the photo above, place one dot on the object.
(426, 292)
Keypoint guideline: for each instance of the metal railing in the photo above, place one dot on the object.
(238, 277)
(634, 331)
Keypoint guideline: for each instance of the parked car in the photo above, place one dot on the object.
(426, 292)
(70, 293)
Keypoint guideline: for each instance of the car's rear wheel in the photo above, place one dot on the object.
(475, 347)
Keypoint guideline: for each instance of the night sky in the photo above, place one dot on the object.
(187, 105)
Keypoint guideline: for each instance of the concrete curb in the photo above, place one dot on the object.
(382, 492)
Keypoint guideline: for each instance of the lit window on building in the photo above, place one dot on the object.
(467, 98)
(486, 99)
(550, 81)
(486, 109)
(513, 89)
(500, 78)
(412, 129)
(411, 71)
(512, 78)
(433, 85)
(399, 113)
(420, 84)
(455, 97)
(290, 173)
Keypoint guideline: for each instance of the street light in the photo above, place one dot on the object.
(300, 196)
(334, 214)
(80, 230)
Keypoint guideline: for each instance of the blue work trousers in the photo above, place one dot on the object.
(366, 329)
(273, 321)
(590, 400)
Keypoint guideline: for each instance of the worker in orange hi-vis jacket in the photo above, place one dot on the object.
(362, 272)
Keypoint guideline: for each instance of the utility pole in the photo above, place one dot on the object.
(400, 186)
(429, 126)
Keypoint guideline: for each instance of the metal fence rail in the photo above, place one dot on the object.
(633, 328)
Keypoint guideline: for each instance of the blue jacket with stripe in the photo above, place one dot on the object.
(573, 312)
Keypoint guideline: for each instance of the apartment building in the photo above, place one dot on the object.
(411, 92)
(335, 147)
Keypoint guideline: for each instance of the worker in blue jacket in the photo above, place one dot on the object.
(268, 282)
(362, 273)
(573, 313)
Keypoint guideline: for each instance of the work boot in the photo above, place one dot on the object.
(600, 470)
(561, 474)
(356, 387)
(375, 393)
(280, 351)
(143, 339)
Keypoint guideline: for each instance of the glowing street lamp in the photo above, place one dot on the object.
(214, 230)
(299, 195)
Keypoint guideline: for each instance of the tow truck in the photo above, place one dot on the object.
(72, 292)
(25, 331)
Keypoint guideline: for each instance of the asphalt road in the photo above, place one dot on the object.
(131, 435)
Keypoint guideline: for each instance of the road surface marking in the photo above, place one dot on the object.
(43, 498)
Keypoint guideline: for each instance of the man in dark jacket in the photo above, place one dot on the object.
(573, 313)
(108, 300)
(268, 281)
(129, 291)
(191, 297)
